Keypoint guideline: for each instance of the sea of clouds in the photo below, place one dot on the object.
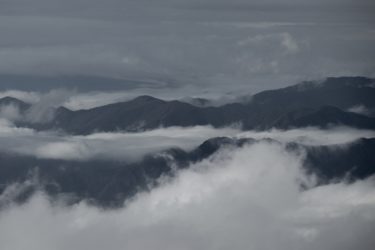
(239, 198)
(245, 198)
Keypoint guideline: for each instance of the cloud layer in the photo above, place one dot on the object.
(311, 135)
(133, 146)
(189, 47)
(118, 146)
(247, 198)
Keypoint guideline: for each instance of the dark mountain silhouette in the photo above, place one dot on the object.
(108, 183)
(356, 160)
(306, 104)
(14, 101)
(323, 117)
(341, 92)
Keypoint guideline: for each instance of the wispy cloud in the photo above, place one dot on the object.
(311, 135)
(120, 146)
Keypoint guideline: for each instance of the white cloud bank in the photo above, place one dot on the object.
(10, 112)
(246, 198)
(133, 146)
(312, 135)
(360, 109)
(118, 145)
(42, 105)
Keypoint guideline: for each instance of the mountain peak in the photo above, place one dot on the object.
(11, 100)
(146, 98)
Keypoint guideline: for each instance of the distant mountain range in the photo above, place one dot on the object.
(319, 104)
(109, 183)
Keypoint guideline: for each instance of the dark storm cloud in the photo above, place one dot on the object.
(197, 47)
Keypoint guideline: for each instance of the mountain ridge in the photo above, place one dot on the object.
(108, 183)
(307, 101)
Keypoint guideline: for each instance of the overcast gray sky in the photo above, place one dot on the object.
(191, 46)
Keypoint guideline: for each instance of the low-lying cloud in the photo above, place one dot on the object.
(247, 198)
(44, 110)
(118, 145)
(361, 109)
(10, 112)
(41, 109)
(133, 146)
(312, 135)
